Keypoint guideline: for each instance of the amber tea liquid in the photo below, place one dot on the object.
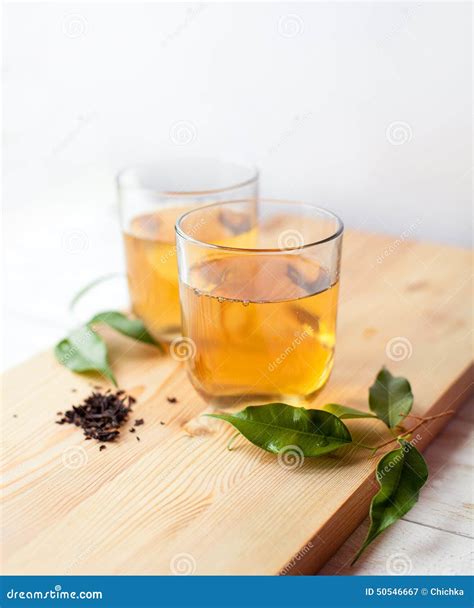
(152, 269)
(153, 272)
(263, 325)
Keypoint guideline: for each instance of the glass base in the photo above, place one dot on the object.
(241, 401)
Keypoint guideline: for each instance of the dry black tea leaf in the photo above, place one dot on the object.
(100, 415)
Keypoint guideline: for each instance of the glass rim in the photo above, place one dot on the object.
(180, 232)
(252, 169)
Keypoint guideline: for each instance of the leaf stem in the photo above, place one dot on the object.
(231, 441)
(363, 446)
(422, 421)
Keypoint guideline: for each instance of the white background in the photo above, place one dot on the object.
(361, 107)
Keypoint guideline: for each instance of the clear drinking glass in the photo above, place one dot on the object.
(259, 288)
(151, 198)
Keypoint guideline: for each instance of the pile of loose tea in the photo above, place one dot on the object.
(100, 415)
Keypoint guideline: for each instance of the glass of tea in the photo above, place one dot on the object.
(151, 198)
(259, 285)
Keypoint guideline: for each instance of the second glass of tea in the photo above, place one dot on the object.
(151, 198)
(259, 286)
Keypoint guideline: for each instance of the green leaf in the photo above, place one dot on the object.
(84, 351)
(400, 474)
(390, 398)
(341, 411)
(133, 328)
(276, 426)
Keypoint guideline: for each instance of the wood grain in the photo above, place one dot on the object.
(178, 499)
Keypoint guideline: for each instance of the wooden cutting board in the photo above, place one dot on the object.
(178, 500)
